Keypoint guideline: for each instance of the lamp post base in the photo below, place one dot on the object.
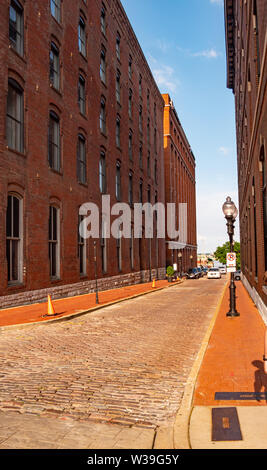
(233, 314)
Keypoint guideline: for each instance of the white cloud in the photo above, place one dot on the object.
(224, 150)
(164, 75)
(217, 2)
(208, 54)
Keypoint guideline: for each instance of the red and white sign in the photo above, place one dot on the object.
(231, 260)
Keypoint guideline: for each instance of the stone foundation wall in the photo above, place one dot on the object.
(85, 287)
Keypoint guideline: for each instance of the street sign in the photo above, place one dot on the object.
(231, 260)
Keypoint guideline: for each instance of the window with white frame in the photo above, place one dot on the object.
(82, 37)
(81, 159)
(55, 7)
(54, 63)
(15, 116)
(53, 242)
(54, 142)
(103, 67)
(81, 247)
(81, 95)
(103, 115)
(16, 26)
(102, 172)
(14, 239)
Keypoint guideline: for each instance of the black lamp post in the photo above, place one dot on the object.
(96, 287)
(230, 212)
(180, 263)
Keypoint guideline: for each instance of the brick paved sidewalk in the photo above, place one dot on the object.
(74, 305)
(233, 360)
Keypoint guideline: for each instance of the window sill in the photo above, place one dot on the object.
(54, 280)
(85, 185)
(17, 152)
(22, 57)
(104, 134)
(83, 56)
(60, 172)
(83, 276)
(15, 285)
(83, 115)
(58, 91)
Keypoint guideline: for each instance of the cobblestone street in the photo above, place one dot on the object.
(126, 364)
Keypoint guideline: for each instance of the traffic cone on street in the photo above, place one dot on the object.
(50, 308)
(154, 283)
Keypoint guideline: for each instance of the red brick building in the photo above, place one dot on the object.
(246, 47)
(180, 187)
(81, 116)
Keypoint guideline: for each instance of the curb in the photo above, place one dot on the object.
(176, 436)
(83, 312)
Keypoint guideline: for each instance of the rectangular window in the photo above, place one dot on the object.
(55, 6)
(130, 145)
(102, 173)
(81, 160)
(118, 46)
(148, 164)
(16, 26)
(103, 65)
(103, 20)
(15, 116)
(118, 132)
(130, 104)
(54, 66)
(104, 246)
(140, 86)
(130, 189)
(14, 239)
(54, 142)
(140, 119)
(132, 248)
(54, 242)
(82, 37)
(81, 95)
(130, 67)
(141, 156)
(141, 192)
(118, 182)
(81, 248)
(118, 242)
(118, 86)
(103, 116)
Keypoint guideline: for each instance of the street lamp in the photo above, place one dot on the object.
(230, 213)
(191, 258)
(96, 287)
(180, 263)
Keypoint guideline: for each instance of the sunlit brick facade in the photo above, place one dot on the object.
(180, 187)
(246, 47)
(81, 117)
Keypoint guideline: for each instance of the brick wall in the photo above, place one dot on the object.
(28, 174)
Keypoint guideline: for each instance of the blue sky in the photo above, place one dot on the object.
(184, 44)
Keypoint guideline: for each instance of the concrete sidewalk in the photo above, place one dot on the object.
(228, 373)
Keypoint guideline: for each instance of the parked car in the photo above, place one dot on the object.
(201, 274)
(214, 273)
(237, 275)
(222, 269)
(192, 274)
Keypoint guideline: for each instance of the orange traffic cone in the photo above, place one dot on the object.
(154, 283)
(50, 308)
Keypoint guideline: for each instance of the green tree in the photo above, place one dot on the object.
(221, 251)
